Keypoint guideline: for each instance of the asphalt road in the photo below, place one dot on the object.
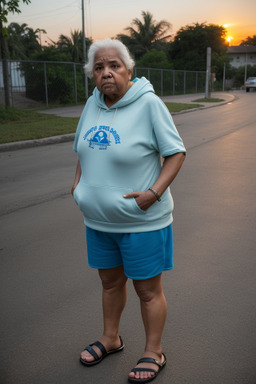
(51, 300)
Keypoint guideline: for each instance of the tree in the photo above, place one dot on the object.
(146, 35)
(23, 41)
(7, 6)
(188, 50)
(250, 40)
(154, 59)
(73, 46)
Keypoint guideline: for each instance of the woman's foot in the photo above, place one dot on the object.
(110, 345)
(138, 373)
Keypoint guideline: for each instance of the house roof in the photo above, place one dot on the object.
(242, 49)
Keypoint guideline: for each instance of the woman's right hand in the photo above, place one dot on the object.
(72, 189)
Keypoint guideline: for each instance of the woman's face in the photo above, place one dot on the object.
(111, 75)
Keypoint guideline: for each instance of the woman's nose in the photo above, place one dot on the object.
(106, 72)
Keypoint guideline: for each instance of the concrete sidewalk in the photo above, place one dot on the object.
(192, 99)
(76, 111)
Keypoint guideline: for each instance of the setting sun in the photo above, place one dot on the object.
(230, 28)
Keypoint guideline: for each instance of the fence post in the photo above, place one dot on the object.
(208, 73)
(196, 81)
(45, 84)
(173, 82)
(86, 89)
(86, 86)
(185, 82)
(75, 85)
(224, 77)
(162, 83)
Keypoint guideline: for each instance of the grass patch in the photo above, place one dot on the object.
(17, 124)
(178, 107)
(208, 100)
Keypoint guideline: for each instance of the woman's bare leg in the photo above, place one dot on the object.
(154, 311)
(113, 302)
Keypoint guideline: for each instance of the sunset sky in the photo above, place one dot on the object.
(107, 18)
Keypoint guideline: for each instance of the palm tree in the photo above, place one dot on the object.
(73, 45)
(145, 35)
(23, 41)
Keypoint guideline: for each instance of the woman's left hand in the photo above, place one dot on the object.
(144, 199)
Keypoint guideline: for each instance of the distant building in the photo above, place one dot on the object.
(242, 55)
(16, 77)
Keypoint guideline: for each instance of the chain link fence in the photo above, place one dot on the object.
(168, 82)
(45, 83)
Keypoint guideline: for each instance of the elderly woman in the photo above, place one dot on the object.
(121, 186)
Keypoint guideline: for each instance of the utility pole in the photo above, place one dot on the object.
(245, 68)
(84, 51)
(83, 29)
(208, 73)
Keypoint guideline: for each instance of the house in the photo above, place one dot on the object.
(242, 55)
(16, 76)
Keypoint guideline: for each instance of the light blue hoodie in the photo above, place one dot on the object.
(119, 150)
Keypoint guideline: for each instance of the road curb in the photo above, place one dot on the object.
(36, 143)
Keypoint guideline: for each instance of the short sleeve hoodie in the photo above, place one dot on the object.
(119, 149)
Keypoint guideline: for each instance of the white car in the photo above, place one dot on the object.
(250, 83)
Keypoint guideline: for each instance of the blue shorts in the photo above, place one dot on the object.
(143, 255)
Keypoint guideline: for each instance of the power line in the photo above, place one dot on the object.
(49, 13)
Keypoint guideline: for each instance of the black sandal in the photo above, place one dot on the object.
(103, 350)
(148, 360)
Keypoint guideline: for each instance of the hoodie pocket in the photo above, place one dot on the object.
(106, 203)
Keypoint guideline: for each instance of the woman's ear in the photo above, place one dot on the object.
(130, 72)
